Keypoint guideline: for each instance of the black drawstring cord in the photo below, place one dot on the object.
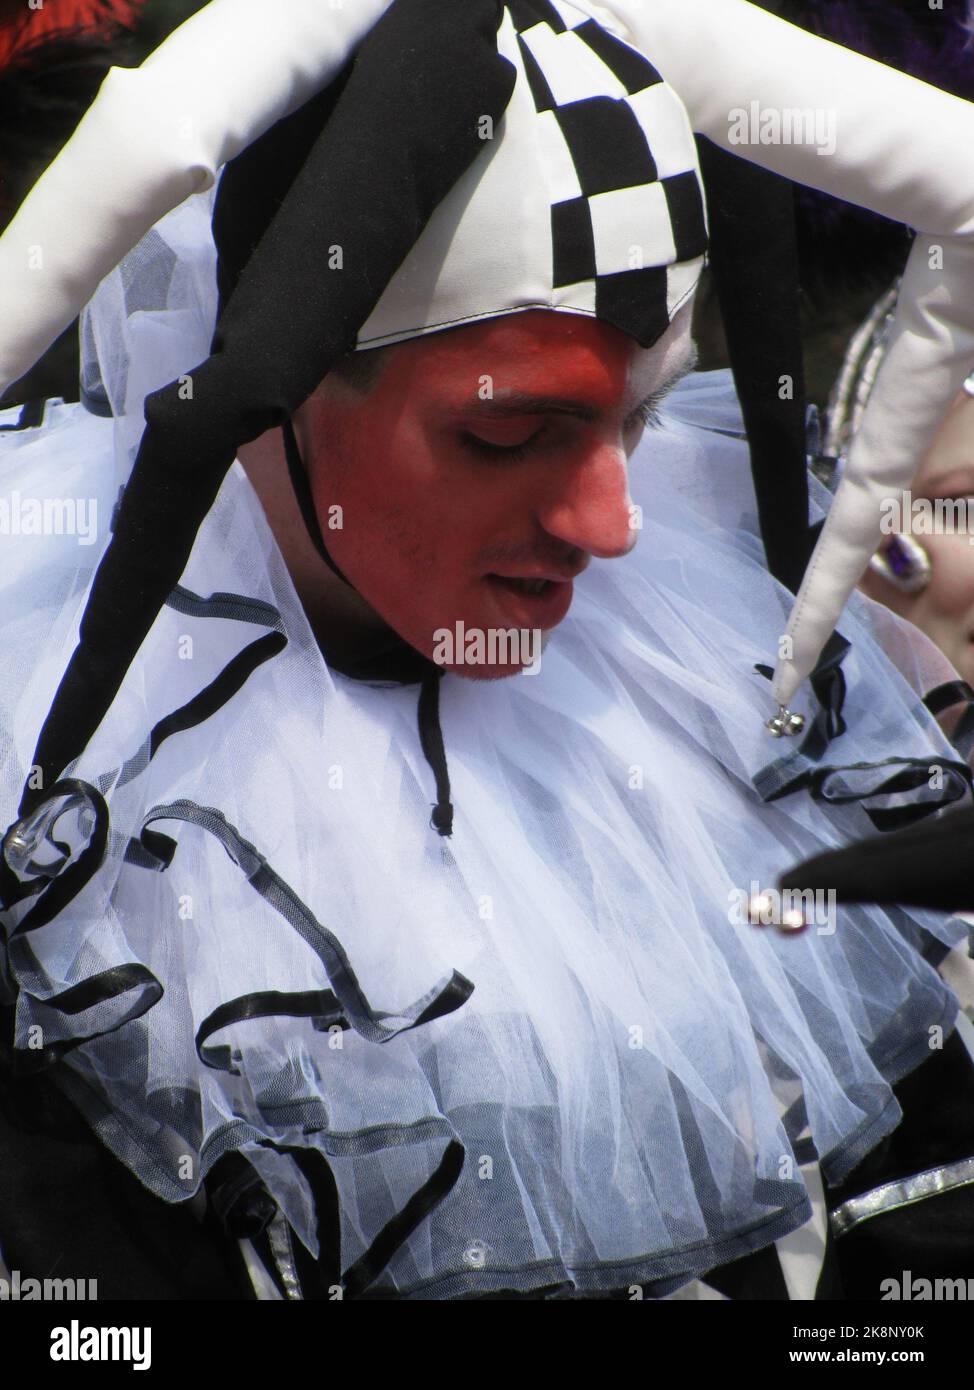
(302, 491)
(431, 738)
(428, 708)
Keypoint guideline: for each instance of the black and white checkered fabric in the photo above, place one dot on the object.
(631, 203)
(588, 197)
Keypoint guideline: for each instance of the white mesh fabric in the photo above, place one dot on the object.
(632, 1065)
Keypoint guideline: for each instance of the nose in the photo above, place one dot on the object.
(589, 506)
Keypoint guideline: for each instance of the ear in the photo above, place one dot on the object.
(322, 422)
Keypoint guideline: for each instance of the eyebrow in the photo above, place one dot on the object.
(525, 403)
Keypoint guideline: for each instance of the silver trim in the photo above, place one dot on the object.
(903, 1193)
(279, 1235)
(264, 1287)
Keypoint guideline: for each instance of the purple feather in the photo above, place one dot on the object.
(935, 45)
(842, 247)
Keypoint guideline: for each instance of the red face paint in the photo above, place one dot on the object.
(102, 18)
(484, 457)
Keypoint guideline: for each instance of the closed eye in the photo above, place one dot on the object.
(498, 453)
(646, 414)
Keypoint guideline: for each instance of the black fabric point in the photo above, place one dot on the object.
(572, 242)
(528, 13)
(540, 91)
(687, 216)
(607, 145)
(635, 301)
(271, 346)
(634, 71)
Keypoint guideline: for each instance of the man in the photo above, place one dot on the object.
(532, 1044)
(454, 506)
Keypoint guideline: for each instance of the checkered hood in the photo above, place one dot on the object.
(587, 197)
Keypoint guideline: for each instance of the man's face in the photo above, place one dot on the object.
(484, 469)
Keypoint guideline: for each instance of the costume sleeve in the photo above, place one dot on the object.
(903, 149)
(153, 136)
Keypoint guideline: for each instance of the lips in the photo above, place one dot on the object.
(531, 601)
(528, 586)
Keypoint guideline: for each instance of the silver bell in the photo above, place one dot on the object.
(761, 909)
(767, 909)
(785, 724)
(792, 921)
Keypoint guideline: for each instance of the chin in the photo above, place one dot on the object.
(488, 654)
(485, 673)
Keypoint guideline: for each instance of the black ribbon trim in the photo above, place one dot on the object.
(208, 701)
(52, 897)
(434, 751)
(239, 1197)
(212, 698)
(55, 885)
(941, 698)
(321, 1006)
(370, 1023)
(97, 989)
(828, 683)
(913, 773)
(157, 850)
(152, 850)
(455, 992)
(950, 693)
(237, 608)
(400, 1227)
(220, 691)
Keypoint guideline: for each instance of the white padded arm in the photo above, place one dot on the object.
(904, 149)
(153, 136)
